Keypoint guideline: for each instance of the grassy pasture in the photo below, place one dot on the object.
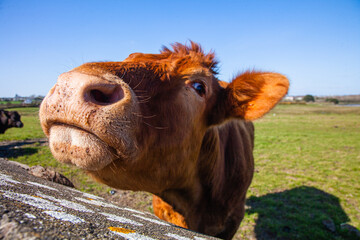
(9, 102)
(31, 129)
(307, 172)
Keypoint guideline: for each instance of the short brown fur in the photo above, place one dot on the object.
(193, 147)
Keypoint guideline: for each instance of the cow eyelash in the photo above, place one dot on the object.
(199, 87)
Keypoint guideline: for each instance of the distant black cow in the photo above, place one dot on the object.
(9, 120)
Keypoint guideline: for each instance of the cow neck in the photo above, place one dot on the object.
(197, 197)
(215, 188)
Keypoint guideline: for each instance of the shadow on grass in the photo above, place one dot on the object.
(14, 149)
(17, 152)
(299, 213)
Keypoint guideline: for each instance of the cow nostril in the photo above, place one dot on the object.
(106, 95)
(99, 96)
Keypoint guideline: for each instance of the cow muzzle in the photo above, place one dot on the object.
(19, 124)
(90, 120)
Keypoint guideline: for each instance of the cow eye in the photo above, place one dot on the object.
(199, 88)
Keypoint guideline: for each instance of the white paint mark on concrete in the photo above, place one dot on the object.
(133, 236)
(199, 238)
(178, 237)
(5, 179)
(151, 220)
(32, 201)
(42, 186)
(88, 195)
(66, 203)
(113, 217)
(97, 203)
(28, 215)
(75, 190)
(64, 216)
(133, 210)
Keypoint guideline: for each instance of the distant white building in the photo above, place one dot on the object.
(28, 101)
(293, 98)
(289, 98)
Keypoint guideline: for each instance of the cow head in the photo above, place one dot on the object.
(138, 124)
(14, 119)
(11, 119)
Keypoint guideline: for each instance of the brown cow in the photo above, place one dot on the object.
(163, 123)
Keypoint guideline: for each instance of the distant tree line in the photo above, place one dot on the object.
(332, 100)
(311, 98)
(18, 101)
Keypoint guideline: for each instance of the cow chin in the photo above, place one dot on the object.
(83, 149)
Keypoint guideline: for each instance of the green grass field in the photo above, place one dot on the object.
(4, 103)
(307, 172)
(31, 130)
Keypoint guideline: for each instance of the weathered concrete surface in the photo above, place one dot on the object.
(33, 208)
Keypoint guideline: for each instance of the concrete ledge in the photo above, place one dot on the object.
(33, 208)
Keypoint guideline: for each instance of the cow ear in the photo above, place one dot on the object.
(252, 94)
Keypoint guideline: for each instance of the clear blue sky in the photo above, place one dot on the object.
(316, 43)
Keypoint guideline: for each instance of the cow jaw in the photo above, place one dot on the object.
(90, 120)
(72, 145)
